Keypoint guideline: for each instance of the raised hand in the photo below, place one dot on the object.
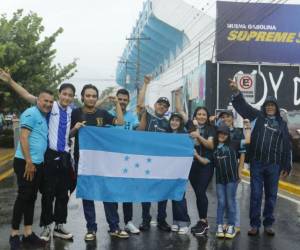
(5, 76)
(233, 85)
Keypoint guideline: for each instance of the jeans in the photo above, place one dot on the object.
(226, 194)
(90, 215)
(237, 206)
(161, 211)
(263, 176)
(200, 177)
(180, 213)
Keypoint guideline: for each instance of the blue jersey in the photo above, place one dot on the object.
(34, 120)
(131, 120)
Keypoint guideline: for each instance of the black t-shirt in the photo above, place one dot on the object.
(156, 124)
(206, 131)
(99, 118)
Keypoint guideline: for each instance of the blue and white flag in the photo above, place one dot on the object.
(132, 166)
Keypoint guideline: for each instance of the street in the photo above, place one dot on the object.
(287, 226)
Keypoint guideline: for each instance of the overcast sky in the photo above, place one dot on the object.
(94, 31)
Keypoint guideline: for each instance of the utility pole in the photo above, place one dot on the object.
(126, 62)
(138, 64)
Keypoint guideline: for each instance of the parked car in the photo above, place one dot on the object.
(293, 121)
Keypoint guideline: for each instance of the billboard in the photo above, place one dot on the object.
(258, 32)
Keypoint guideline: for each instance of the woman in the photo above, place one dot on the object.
(202, 170)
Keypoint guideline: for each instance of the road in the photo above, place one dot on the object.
(287, 226)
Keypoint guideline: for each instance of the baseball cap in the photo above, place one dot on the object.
(163, 100)
(228, 112)
(223, 129)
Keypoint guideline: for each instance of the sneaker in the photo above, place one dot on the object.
(202, 229)
(220, 231)
(145, 226)
(33, 240)
(269, 231)
(237, 230)
(230, 233)
(130, 227)
(14, 242)
(253, 231)
(194, 228)
(174, 228)
(90, 235)
(164, 226)
(61, 232)
(183, 230)
(46, 233)
(119, 234)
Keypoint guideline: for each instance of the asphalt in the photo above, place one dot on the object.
(287, 226)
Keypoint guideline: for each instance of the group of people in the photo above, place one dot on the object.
(43, 161)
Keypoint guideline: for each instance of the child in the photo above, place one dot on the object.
(228, 172)
(181, 219)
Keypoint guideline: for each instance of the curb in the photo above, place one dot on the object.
(288, 187)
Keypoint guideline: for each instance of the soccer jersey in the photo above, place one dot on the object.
(35, 121)
(156, 124)
(59, 122)
(131, 120)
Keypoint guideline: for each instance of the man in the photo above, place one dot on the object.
(269, 154)
(131, 122)
(56, 172)
(28, 166)
(155, 123)
(89, 115)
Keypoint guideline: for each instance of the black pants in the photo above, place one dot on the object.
(200, 177)
(27, 193)
(56, 182)
(161, 211)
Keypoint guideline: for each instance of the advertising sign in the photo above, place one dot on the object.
(258, 32)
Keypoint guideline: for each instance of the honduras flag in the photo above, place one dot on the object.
(132, 166)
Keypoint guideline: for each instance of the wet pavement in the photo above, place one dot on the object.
(287, 226)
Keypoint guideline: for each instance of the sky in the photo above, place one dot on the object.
(95, 31)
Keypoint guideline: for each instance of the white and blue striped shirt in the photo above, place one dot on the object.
(59, 122)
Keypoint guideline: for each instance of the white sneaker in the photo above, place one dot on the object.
(183, 230)
(46, 233)
(174, 228)
(61, 232)
(130, 227)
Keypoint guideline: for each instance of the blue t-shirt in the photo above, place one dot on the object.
(33, 120)
(130, 119)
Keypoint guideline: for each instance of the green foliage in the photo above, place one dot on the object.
(29, 56)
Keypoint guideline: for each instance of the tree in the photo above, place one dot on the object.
(29, 58)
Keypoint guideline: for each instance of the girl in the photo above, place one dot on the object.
(228, 175)
(181, 219)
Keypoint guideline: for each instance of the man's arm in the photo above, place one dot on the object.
(143, 122)
(142, 93)
(286, 168)
(5, 77)
(240, 105)
(119, 113)
(29, 168)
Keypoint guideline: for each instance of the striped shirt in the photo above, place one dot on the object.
(225, 162)
(59, 122)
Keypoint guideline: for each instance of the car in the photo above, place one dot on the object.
(293, 121)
